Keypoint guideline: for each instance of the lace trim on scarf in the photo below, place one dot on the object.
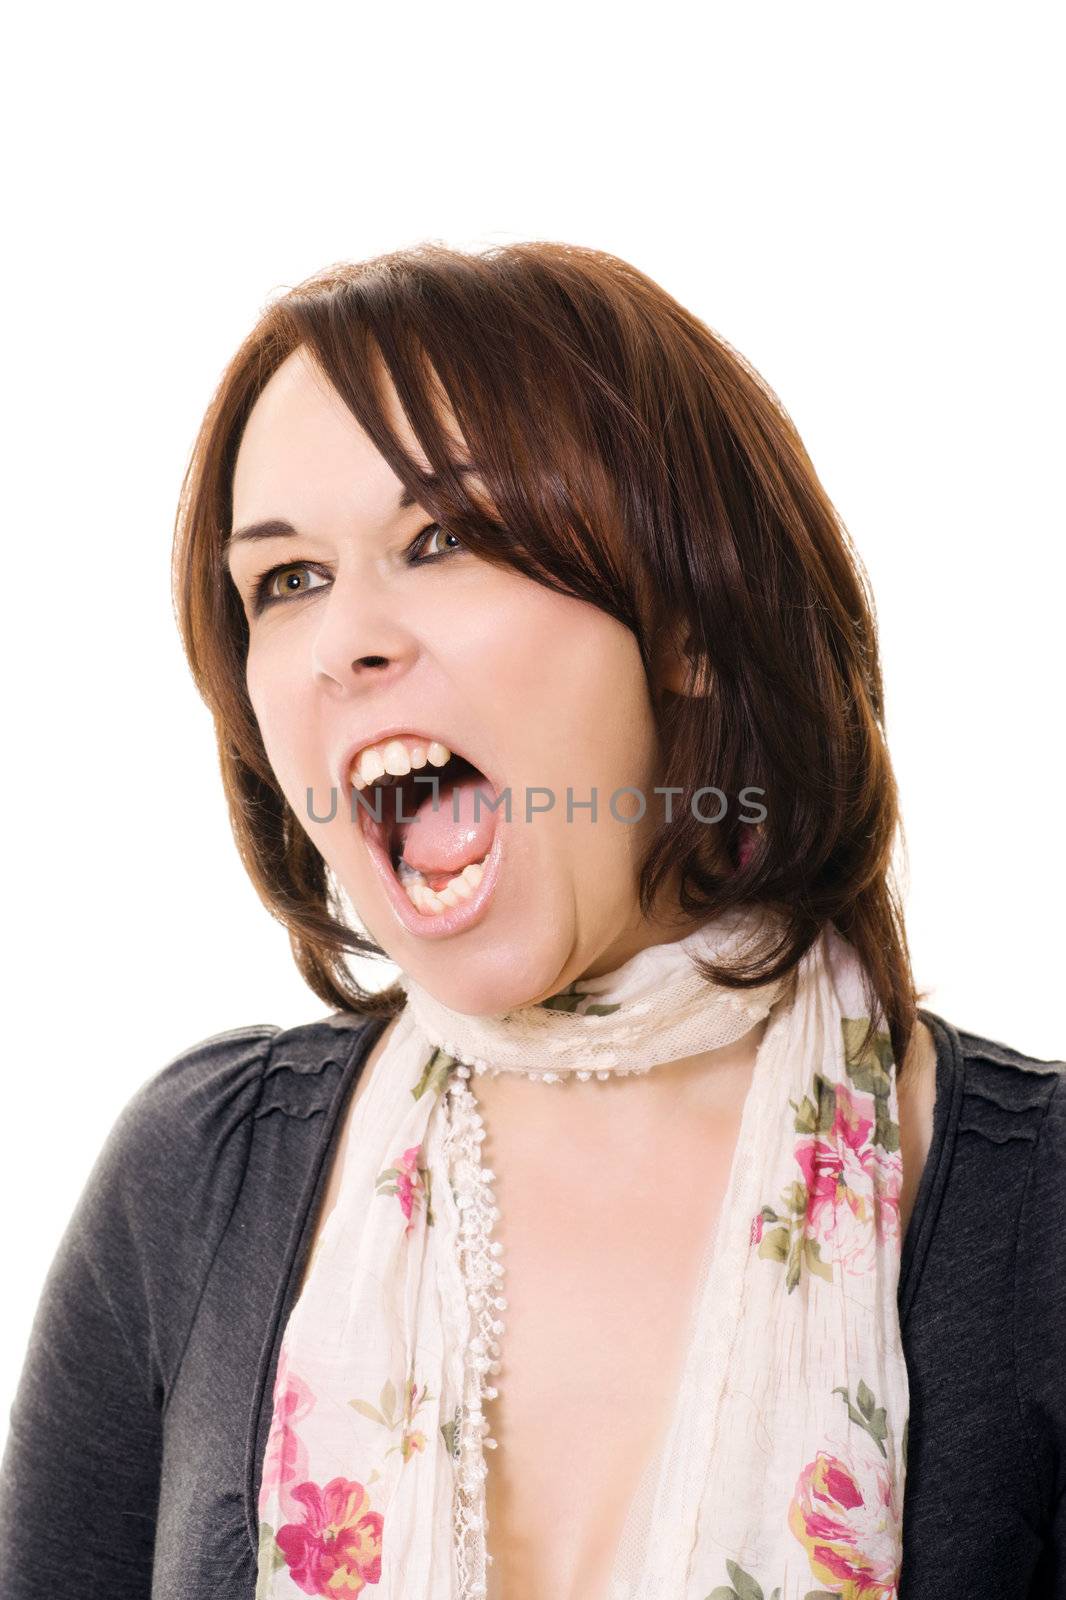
(482, 1273)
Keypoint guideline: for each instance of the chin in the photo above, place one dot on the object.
(514, 956)
(502, 978)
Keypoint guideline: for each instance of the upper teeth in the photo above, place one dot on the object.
(396, 757)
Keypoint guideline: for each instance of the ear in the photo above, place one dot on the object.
(677, 668)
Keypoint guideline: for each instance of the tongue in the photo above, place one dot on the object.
(436, 843)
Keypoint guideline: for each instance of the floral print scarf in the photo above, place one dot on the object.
(782, 1471)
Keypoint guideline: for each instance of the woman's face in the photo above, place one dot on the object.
(362, 634)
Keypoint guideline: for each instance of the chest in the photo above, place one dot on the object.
(602, 1248)
(603, 1241)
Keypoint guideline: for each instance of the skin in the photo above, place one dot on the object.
(565, 906)
(580, 1252)
(460, 645)
(577, 714)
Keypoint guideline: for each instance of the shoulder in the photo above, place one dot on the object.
(167, 1179)
(997, 1151)
(171, 1164)
(192, 1107)
(985, 1072)
(1017, 1103)
(1013, 1096)
(1001, 1119)
(182, 1100)
(983, 1314)
(977, 1048)
(186, 1111)
(1007, 1095)
(181, 1141)
(1013, 1101)
(1010, 1095)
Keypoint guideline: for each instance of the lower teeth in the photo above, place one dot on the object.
(432, 901)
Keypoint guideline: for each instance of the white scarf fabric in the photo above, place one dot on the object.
(782, 1469)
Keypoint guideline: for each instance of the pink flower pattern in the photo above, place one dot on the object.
(409, 1182)
(847, 1199)
(844, 1514)
(285, 1458)
(840, 1173)
(335, 1548)
(843, 1509)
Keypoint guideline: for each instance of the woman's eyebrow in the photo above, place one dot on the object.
(272, 528)
(278, 528)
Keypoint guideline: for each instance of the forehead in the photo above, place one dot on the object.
(305, 458)
(303, 455)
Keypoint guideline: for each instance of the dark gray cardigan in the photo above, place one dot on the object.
(137, 1433)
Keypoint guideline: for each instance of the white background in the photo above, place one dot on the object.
(861, 199)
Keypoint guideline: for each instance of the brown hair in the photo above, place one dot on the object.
(635, 461)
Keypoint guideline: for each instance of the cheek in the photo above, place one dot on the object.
(571, 705)
(266, 701)
(255, 683)
(284, 726)
(565, 667)
(592, 705)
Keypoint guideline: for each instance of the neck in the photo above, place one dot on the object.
(712, 1084)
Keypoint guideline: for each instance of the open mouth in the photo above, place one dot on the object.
(435, 839)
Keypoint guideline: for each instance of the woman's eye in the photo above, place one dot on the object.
(283, 583)
(428, 535)
(265, 592)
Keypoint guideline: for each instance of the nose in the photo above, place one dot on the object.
(359, 640)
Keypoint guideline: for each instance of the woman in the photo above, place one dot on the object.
(540, 664)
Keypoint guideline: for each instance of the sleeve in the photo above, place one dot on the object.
(79, 1480)
(1041, 1336)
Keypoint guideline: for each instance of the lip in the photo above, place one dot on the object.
(453, 919)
